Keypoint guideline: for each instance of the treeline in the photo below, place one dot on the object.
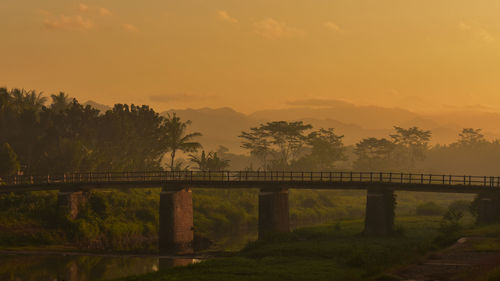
(69, 137)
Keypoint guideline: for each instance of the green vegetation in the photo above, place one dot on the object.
(330, 252)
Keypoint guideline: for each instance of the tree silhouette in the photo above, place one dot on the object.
(280, 140)
(9, 164)
(470, 137)
(176, 139)
(209, 162)
(374, 154)
(60, 102)
(413, 141)
(325, 147)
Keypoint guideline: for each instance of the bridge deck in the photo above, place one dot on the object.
(251, 179)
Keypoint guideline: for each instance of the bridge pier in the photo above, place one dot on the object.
(70, 202)
(379, 219)
(273, 212)
(488, 208)
(176, 222)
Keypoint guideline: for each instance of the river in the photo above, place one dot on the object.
(54, 266)
(58, 267)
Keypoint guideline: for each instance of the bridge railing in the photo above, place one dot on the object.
(250, 176)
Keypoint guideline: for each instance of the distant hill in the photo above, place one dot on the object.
(220, 126)
(101, 107)
(223, 125)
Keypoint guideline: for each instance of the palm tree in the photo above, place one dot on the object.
(209, 162)
(176, 138)
(59, 102)
(24, 100)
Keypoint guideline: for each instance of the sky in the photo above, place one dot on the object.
(425, 55)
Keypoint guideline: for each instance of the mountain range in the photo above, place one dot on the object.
(222, 126)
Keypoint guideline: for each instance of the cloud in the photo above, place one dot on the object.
(179, 97)
(332, 26)
(130, 28)
(83, 8)
(69, 23)
(273, 29)
(104, 12)
(464, 26)
(223, 15)
(478, 31)
(485, 36)
(318, 102)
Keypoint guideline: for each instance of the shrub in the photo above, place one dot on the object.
(429, 209)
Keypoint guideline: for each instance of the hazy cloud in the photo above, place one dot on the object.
(130, 28)
(464, 26)
(223, 15)
(479, 32)
(273, 29)
(179, 97)
(69, 23)
(104, 12)
(318, 102)
(485, 35)
(83, 8)
(332, 26)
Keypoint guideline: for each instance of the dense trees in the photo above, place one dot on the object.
(67, 136)
(9, 165)
(282, 145)
(374, 154)
(209, 162)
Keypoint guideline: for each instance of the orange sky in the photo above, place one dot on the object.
(250, 55)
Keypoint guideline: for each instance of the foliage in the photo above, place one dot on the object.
(209, 162)
(326, 148)
(176, 138)
(375, 155)
(9, 164)
(470, 137)
(68, 137)
(414, 142)
(283, 145)
(277, 143)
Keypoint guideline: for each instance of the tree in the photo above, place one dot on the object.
(23, 100)
(280, 140)
(413, 142)
(325, 147)
(60, 102)
(209, 162)
(176, 139)
(470, 137)
(9, 165)
(374, 154)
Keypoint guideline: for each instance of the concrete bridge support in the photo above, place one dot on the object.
(488, 208)
(273, 212)
(379, 219)
(70, 202)
(176, 222)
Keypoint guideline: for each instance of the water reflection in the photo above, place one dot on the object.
(80, 268)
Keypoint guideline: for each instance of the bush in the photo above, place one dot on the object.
(429, 209)
(463, 206)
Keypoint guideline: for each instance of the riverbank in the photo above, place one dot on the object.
(329, 252)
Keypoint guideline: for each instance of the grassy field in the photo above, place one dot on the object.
(329, 252)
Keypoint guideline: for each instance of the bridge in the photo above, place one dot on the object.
(176, 204)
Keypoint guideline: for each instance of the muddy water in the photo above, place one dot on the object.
(31, 267)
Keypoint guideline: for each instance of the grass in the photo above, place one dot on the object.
(328, 252)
